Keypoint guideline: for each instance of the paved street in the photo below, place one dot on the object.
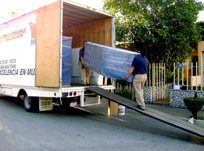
(87, 129)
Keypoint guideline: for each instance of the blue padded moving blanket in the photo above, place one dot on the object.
(110, 62)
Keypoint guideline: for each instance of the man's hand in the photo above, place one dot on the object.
(83, 65)
(82, 62)
(126, 77)
(130, 72)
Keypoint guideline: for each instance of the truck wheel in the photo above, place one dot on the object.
(31, 104)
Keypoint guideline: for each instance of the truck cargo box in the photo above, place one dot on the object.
(74, 20)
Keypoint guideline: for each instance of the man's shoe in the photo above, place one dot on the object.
(83, 85)
(87, 84)
(140, 107)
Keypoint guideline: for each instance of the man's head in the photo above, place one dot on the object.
(143, 52)
(84, 43)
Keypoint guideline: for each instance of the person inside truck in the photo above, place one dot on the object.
(84, 71)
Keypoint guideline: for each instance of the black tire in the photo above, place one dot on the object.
(31, 104)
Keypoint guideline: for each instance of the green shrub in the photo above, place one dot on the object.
(169, 76)
(194, 105)
(125, 93)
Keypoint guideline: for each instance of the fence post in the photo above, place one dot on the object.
(150, 65)
(196, 76)
(201, 76)
(157, 81)
(178, 78)
(153, 82)
(164, 80)
(118, 86)
(161, 96)
(183, 75)
(187, 76)
(174, 75)
(191, 75)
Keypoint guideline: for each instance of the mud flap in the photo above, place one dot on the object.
(45, 104)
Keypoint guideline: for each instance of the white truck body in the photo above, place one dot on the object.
(31, 60)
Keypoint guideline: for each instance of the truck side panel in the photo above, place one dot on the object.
(17, 46)
(48, 42)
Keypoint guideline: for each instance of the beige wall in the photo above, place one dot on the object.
(200, 52)
(195, 80)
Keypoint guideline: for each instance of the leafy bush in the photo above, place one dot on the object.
(125, 93)
(123, 83)
(194, 105)
(169, 76)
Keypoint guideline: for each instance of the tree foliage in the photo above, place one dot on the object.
(201, 27)
(166, 28)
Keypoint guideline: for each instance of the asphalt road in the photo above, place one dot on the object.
(87, 129)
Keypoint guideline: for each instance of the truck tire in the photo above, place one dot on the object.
(31, 104)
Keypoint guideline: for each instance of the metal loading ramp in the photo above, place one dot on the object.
(160, 116)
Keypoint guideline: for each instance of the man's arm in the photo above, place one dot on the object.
(82, 61)
(129, 73)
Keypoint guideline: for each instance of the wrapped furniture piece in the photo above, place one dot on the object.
(66, 61)
(110, 62)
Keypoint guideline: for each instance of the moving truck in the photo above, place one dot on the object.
(36, 62)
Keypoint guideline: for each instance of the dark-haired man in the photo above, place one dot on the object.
(139, 68)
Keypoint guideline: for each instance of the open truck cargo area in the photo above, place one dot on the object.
(39, 53)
